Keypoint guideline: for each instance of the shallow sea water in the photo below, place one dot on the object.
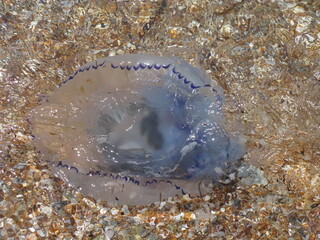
(265, 57)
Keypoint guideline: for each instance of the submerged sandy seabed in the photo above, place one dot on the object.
(265, 57)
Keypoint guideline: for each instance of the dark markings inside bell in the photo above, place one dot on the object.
(149, 128)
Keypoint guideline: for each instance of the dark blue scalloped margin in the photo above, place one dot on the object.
(135, 68)
(117, 177)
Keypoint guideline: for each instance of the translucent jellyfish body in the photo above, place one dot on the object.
(135, 129)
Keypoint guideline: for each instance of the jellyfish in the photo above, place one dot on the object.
(135, 129)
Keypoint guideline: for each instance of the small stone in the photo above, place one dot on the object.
(190, 216)
(206, 198)
(186, 197)
(109, 233)
(41, 233)
(178, 217)
(152, 223)
(46, 210)
(162, 204)
(125, 210)
(184, 227)
(32, 236)
(103, 211)
(298, 9)
(114, 211)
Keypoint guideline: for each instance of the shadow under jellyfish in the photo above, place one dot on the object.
(135, 129)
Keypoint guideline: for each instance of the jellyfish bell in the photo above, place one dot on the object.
(135, 129)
